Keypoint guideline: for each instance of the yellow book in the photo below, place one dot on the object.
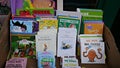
(48, 23)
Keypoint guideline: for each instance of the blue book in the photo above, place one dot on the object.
(23, 26)
(46, 60)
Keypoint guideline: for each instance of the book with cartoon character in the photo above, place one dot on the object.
(23, 26)
(48, 23)
(92, 49)
(69, 23)
(23, 45)
(66, 42)
(46, 60)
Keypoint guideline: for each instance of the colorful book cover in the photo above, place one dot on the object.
(69, 62)
(93, 53)
(92, 49)
(35, 12)
(89, 14)
(48, 23)
(93, 27)
(23, 26)
(69, 23)
(23, 45)
(46, 60)
(16, 63)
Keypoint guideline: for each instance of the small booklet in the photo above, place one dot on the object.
(46, 60)
(16, 63)
(69, 62)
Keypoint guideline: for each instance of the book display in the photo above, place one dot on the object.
(43, 36)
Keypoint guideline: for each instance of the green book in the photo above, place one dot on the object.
(23, 45)
(89, 14)
(69, 22)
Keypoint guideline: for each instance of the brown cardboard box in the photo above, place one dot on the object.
(4, 39)
(112, 53)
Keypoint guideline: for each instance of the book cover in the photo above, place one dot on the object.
(48, 23)
(23, 45)
(93, 53)
(16, 63)
(46, 41)
(46, 60)
(93, 27)
(69, 62)
(69, 23)
(89, 14)
(92, 49)
(66, 42)
(23, 26)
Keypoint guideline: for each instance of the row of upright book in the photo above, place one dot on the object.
(66, 34)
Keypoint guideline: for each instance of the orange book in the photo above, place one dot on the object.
(93, 28)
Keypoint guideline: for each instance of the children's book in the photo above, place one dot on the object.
(69, 23)
(16, 63)
(93, 27)
(66, 42)
(46, 60)
(23, 45)
(48, 23)
(69, 62)
(93, 53)
(69, 14)
(46, 41)
(23, 26)
(89, 14)
(92, 49)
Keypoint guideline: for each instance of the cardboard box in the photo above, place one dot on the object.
(112, 53)
(4, 39)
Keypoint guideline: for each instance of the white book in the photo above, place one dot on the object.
(92, 49)
(93, 53)
(66, 43)
(46, 41)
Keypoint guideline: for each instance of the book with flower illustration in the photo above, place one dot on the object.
(92, 50)
(48, 23)
(23, 45)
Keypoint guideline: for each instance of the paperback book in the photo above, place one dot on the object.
(23, 45)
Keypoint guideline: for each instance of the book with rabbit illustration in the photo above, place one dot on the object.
(23, 45)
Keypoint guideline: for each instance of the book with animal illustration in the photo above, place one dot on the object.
(23, 45)
(46, 41)
(66, 42)
(46, 60)
(69, 23)
(92, 53)
(93, 27)
(92, 49)
(23, 26)
(48, 23)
